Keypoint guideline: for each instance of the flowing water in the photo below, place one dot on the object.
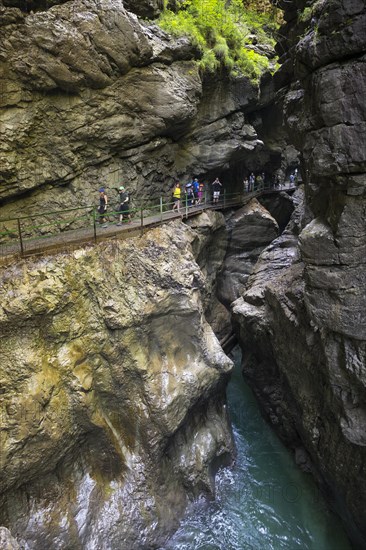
(265, 502)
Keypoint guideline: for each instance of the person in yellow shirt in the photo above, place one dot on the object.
(176, 197)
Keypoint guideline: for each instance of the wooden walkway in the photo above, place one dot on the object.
(72, 239)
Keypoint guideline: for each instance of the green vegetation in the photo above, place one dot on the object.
(222, 31)
(305, 15)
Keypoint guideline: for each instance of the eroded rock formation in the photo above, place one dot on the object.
(113, 393)
(251, 229)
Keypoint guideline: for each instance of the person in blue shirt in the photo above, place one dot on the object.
(196, 186)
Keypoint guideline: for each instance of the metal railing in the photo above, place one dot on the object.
(39, 232)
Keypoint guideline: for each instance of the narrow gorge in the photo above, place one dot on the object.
(113, 406)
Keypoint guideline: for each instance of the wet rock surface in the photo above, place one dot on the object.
(113, 393)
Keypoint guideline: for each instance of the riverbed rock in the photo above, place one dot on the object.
(113, 393)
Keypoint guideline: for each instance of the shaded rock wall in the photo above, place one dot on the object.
(113, 393)
(280, 206)
(302, 318)
(250, 230)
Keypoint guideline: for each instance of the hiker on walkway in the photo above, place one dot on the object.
(246, 185)
(123, 208)
(189, 193)
(259, 182)
(196, 186)
(103, 203)
(177, 192)
(216, 188)
(251, 182)
(201, 193)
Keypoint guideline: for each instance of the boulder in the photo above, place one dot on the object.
(7, 542)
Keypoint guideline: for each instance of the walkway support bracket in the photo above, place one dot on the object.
(142, 221)
(95, 224)
(20, 239)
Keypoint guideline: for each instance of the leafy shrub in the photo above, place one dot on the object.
(252, 64)
(221, 30)
(209, 61)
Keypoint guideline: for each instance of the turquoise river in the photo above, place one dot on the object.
(264, 502)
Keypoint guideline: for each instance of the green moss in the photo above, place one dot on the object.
(221, 31)
(305, 15)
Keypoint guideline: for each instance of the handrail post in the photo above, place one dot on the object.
(224, 198)
(142, 221)
(95, 224)
(20, 238)
(161, 209)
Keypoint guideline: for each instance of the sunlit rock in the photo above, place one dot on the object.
(113, 403)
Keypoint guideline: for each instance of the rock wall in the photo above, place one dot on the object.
(250, 229)
(302, 318)
(92, 95)
(113, 384)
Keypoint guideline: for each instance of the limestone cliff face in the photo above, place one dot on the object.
(92, 95)
(302, 318)
(112, 393)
